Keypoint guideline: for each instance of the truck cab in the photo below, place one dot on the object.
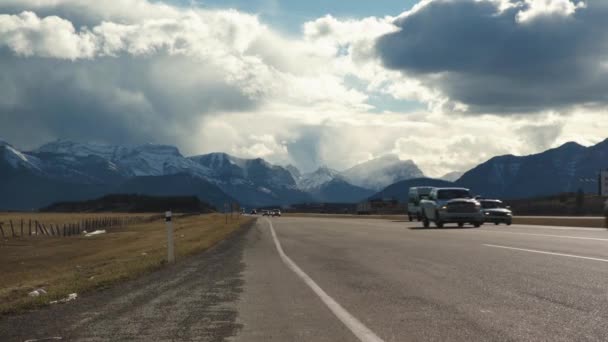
(451, 205)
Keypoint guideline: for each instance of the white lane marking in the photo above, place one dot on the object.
(545, 252)
(533, 226)
(549, 235)
(363, 333)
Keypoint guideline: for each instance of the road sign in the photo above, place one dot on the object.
(604, 183)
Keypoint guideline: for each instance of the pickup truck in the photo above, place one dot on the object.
(451, 205)
(415, 195)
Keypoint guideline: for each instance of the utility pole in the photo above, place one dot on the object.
(170, 242)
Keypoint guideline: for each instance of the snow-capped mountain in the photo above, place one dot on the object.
(312, 180)
(378, 173)
(563, 169)
(18, 159)
(129, 161)
(295, 173)
(253, 181)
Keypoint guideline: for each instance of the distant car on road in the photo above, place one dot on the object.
(266, 213)
(254, 212)
(276, 212)
(496, 211)
(415, 195)
(451, 205)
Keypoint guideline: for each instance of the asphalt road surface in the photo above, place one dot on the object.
(328, 279)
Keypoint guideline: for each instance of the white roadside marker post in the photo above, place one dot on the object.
(170, 242)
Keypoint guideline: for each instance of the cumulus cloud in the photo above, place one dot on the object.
(222, 80)
(526, 57)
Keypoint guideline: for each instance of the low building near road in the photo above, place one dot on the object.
(321, 208)
(381, 206)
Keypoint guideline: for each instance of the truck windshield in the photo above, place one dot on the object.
(492, 205)
(452, 194)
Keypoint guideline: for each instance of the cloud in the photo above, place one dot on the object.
(222, 80)
(532, 55)
(151, 79)
(28, 35)
(542, 136)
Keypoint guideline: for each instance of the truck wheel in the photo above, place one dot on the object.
(418, 217)
(509, 223)
(460, 225)
(425, 222)
(477, 224)
(496, 223)
(409, 216)
(439, 224)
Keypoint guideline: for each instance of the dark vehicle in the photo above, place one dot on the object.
(254, 212)
(495, 211)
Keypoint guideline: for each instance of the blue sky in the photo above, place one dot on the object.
(288, 16)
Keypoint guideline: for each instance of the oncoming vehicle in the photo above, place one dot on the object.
(451, 205)
(496, 211)
(254, 212)
(276, 212)
(415, 195)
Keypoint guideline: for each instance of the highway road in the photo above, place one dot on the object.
(332, 279)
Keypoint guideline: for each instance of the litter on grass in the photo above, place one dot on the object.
(37, 292)
(69, 298)
(97, 232)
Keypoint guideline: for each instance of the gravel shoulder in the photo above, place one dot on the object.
(194, 300)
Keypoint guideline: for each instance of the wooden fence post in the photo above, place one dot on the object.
(12, 229)
(1, 230)
(21, 227)
(30, 227)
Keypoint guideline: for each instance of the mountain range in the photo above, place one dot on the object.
(566, 168)
(69, 171)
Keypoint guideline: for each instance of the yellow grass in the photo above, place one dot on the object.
(78, 264)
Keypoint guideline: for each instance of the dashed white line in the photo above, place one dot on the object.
(363, 333)
(533, 226)
(548, 235)
(546, 252)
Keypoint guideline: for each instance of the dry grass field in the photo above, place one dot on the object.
(64, 265)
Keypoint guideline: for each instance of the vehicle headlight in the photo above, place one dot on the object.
(487, 213)
(509, 214)
(444, 207)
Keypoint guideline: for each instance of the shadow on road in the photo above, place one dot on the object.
(449, 227)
